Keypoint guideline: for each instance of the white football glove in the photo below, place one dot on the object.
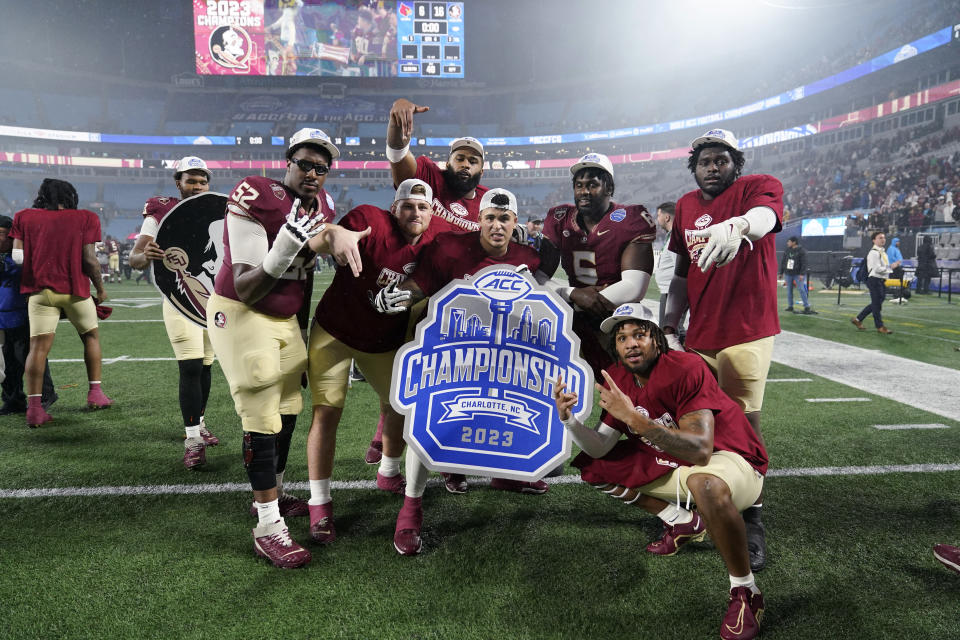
(522, 269)
(389, 298)
(519, 234)
(673, 341)
(723, 244)
(290, 240)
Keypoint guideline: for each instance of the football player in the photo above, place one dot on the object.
(457, 193)
(54, 241)
(684, 436)
(113, 258)
(258, 314)
(606, 250)
(190, 342)
(448, 257)
(347, 327)
(726, 272)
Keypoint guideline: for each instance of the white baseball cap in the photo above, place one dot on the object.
(191, 163)
(313, 136)
(467, 141)
(597, 160)
(717, 135)
(630, 311)
(405, 191)
(487, 200)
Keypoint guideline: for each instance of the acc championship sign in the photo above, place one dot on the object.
(191, 236)
(476, 386)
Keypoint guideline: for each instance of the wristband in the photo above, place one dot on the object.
(396, 155)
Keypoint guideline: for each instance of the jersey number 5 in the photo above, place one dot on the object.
(244, 194)
(585, 266)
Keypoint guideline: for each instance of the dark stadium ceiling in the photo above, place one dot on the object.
(636, 48)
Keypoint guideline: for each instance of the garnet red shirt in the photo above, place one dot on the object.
(345, 310)
(456, 255)
(593, 257)
(679, 384)
(736, 303)
(450, 213)
(53, 249)
(268, 202)
(158, 207)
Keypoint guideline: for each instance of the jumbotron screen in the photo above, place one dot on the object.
(344, 38)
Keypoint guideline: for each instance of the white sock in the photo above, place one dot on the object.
(268, 512)
(280, 483)
(192, 432)
(319, 492)
(745, 581)
(417, 475)
(389, 467)
(674, 515)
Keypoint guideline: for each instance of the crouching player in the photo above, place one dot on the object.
(684, 437)
(257, 320)
(448, 257)
(348, 327)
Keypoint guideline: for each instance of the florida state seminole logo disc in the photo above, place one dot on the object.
(191, 237)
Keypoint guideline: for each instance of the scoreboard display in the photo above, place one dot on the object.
(430, 39)
(341, 38)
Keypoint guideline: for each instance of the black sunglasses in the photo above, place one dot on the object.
(306, 166)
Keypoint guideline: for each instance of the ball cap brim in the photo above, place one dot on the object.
(314, 136)
(631, 311)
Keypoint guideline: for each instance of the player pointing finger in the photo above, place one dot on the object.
(565, 401)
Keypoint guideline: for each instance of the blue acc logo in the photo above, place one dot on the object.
(476, 386)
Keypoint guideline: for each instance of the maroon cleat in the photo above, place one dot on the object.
(96, 399)
(675, 536)
(273, 542)
(406, 537)
(36, 416)
(742, 621)
(208, 438)
(290, 506)
(322, 530)
(455, 482)
(393, 484)
(519, 486)
(374, 452)
(194, 453)
(948, 556)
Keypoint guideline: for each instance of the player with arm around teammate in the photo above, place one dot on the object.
(726, 272)
(606, 250)
(456, 205)
(257, 319)
(347, 327)
(448, 257)
(54, 241)
(190, 342)
(684, 436)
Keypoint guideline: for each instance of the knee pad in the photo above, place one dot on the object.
(259, 458)
(259, 370)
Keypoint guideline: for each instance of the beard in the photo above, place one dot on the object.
(644, 368)
(458, 185)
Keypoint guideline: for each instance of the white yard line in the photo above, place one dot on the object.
(370, 485)
(925, 386)
(837, 399)
(903, 427)
(789, 379)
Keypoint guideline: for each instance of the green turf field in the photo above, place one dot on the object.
(849, 553)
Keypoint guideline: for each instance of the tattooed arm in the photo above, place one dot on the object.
(692, 440)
